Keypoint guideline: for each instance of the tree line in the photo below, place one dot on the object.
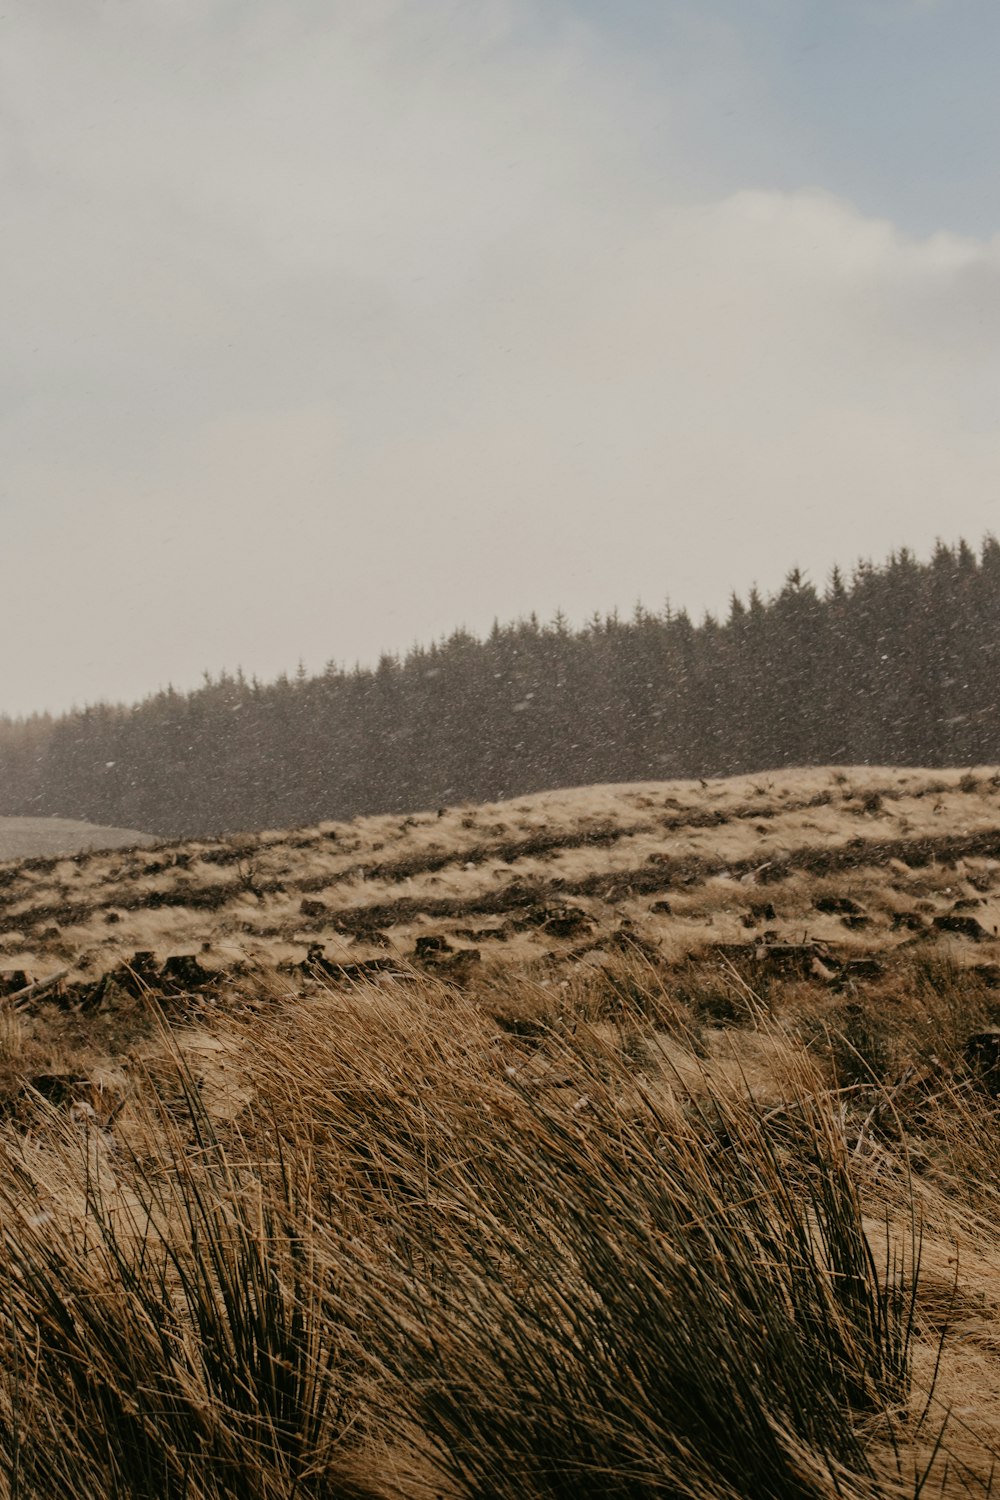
(896, 664)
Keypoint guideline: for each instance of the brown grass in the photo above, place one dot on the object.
(405, 1240)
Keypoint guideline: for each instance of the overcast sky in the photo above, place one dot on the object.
(332, 325)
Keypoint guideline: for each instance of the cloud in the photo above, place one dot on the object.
(338, 326)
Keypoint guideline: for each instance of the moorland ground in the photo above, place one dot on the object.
(634, 1140)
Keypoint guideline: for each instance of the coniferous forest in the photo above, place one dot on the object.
(897, 664)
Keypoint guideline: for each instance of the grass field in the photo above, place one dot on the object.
(628, 1141)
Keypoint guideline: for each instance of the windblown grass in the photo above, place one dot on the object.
(430, 1258)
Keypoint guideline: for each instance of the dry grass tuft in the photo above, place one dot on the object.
(407, 1250)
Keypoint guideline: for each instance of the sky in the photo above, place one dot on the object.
(331, 326)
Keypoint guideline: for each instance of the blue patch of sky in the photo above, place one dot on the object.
(892, 104)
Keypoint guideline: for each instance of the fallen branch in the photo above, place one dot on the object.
(21, 998)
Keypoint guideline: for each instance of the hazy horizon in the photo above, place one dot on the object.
(333, 328)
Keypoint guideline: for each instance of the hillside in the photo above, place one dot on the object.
(26, 838)
(671, 1104)
(687, 865)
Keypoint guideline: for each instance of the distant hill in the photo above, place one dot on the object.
(23, 838)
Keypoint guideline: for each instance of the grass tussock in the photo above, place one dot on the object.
(398, 1245)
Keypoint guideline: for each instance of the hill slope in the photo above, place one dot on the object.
(25, 838)
(687, 864)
